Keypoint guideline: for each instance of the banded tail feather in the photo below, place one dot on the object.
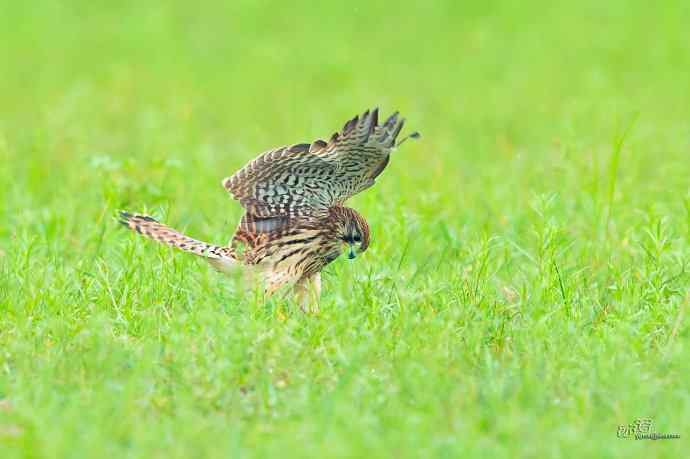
(220, 257)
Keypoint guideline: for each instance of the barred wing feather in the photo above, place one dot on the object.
(304, 180)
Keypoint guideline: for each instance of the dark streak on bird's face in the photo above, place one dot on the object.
(351, 229)
(356, 236)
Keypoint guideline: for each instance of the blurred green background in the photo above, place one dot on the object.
(526, 289)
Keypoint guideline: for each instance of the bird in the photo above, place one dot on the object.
(295, 222)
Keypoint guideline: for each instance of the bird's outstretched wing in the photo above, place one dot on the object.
(306, 179)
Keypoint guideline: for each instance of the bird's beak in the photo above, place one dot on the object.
(352, 254)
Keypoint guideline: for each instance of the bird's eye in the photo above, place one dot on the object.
(357, 238)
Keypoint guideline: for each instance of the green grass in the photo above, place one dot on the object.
(526, 290)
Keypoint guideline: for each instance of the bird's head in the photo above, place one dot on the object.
(353, 230)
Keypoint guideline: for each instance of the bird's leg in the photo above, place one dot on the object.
(315, 290)
(307, 292)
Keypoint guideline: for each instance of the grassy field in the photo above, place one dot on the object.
(526, 291)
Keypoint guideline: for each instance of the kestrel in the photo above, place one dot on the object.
(295, 222)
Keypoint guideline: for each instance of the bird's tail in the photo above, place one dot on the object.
(219, 257)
